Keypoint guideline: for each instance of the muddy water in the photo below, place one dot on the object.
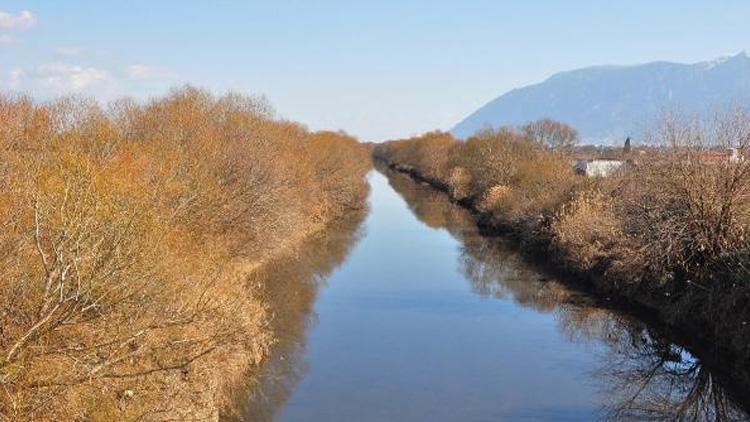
(413, 315)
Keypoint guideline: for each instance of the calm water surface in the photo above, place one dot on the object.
(413, 315)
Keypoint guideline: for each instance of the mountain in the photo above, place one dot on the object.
(608, 103)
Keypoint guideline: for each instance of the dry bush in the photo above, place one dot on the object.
(428, 154)
(433, 154)
(497, 198)
(684, 210)
(687, 209)
(514, 177)
(491, 157)
(587, 229)
(506, 172)
(127, 235)
(459, 183)
(541, 184)
(670, 230)
(551, 134)
(340, 169)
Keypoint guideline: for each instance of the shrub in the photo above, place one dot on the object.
(551, 134)
(126, 237)
(689, 204)
(679, 213)
(587, 229)
(459, 182)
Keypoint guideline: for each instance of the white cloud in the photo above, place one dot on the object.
(65, 77)
(23, 20)
(6, 39)
(58, 78)
(62, 77)
(14, 81)
(69, 51)
(139, 71)
(142, 71)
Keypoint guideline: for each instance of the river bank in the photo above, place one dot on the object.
(283, 284)
(289, 285)
(701, 331)
(425, 317)
(132, 238)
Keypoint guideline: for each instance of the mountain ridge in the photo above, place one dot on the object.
(607, 103)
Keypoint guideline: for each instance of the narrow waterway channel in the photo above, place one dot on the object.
(425, 319)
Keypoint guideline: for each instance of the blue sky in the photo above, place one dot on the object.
(377, 69)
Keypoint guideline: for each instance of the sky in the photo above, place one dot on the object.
(377, 69)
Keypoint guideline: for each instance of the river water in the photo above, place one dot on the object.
(410, 313)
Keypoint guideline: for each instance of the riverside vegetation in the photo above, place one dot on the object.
(669, 233)
(645, 375)
(129, 238)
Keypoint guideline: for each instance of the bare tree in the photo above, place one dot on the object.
(126, 240)
(551, 134)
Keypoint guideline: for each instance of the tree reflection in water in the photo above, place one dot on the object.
(646, 376)
(290, 285)
(654, 379)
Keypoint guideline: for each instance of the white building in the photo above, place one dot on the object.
(597, 167)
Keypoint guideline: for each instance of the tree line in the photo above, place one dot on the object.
(127, 234)
(670, 230)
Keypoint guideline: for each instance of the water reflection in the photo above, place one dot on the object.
(646, 376)
(654, 379)
(291, 285)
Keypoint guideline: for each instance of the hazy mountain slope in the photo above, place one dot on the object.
(611, 102)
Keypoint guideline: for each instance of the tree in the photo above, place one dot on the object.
(551, 134)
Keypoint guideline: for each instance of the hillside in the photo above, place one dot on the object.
(607, 103)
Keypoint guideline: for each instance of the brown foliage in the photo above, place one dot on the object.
(587, 229)
(551, 134)
(428, 154)
(123, 237)
(503, 171)
(681, 212)
(686, 212)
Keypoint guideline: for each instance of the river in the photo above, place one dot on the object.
(410, 313)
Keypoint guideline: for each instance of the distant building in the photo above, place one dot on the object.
(732, 155)
(607, 163)
(735, 155)
(597, 167)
